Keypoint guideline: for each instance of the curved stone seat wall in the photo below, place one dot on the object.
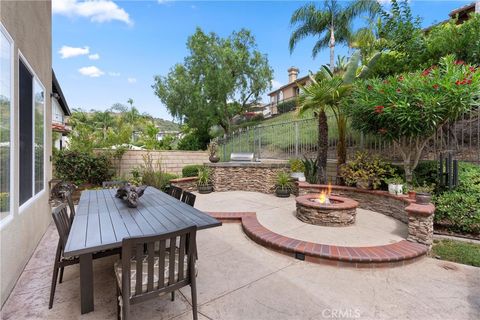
(189, 183)
(374, 200)
(419, 218)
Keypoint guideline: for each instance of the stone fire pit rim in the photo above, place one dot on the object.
(342, 203)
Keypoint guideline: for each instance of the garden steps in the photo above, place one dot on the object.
(390, 255)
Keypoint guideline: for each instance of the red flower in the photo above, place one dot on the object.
(398, 90)
(457, 82)
(426, 72)
(382, 130)
(435, 86)
(472, 69)
(379, 109)
(369, 87)
(459, 62)
(401, 78)
(386, 81)
(468, 81)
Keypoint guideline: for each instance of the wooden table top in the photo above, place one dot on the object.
(102, 220)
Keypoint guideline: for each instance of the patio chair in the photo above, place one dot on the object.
(71, 206)
(143, 275)
(188, 198)
(113, 184)
(63, 224)
(176, 192)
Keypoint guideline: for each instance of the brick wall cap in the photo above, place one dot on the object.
(421, 209)
(187, 179)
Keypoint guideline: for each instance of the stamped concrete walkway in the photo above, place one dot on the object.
(278, 215)
(238, 279)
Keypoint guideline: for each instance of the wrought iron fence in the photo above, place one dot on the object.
(298, 139)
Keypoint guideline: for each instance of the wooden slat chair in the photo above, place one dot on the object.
(188, 198)
(176, 192)
(113, 184)
(145, 274)
(71, 206)
(63, 224)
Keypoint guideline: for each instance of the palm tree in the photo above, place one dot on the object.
(331, 23)
(328, 91)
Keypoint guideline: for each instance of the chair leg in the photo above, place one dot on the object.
(54, 278)
(118, 297)
(61, 275)
(173, 295)
(193, 286)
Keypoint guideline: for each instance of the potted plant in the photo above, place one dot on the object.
(423, 194)
(283, 185)
(395, 185)
(212, 151)
(298, 169)
(203, 182)
(411, 192)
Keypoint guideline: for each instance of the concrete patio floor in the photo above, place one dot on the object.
(238, 279)
(278, 215)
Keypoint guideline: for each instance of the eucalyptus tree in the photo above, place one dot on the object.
(331, 23)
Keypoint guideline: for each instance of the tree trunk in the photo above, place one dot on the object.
(332, 49)
(341, 146)
(322, 147)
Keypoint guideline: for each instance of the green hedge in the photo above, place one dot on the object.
(459, 210)
(190, 170)
(287, 106)
(81, 167)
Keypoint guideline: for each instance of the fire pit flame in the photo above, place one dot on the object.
(324, 195)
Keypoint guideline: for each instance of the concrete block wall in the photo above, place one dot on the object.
(171, 161)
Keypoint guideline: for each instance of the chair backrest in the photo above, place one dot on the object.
(168, 190)
(176, 192)
(188, 198)
(113, 184)
(62, 221)
(179, 261)
(71, 205)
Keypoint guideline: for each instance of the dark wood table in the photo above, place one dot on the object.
(102, 221)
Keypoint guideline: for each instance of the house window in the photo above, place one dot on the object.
(32, 134)
(6, 108)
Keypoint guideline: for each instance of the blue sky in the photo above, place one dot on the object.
(106, 52)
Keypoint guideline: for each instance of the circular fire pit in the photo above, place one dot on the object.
(339, 212)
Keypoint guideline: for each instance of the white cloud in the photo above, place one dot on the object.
(384, 1)
(276, 84)
(91, 71)
(69, 52)
(96, 11)
(94, 56)
(132, 80)
(114, 74)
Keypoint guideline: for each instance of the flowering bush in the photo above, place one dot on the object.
(409, 108)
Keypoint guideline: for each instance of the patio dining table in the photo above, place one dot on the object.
(102, 221)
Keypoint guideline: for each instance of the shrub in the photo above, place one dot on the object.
(311, 167)
(190, 170)
(426, 172)
(287, 106)
(153, 175)
(459, 209)
(366, 168)
(82, 167)
(296, 165)
(4, 201)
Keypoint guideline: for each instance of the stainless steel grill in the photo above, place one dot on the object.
(242, 157)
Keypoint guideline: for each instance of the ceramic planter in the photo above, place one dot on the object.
(214, 159)
(204, 189)
(282, 193)
(423, 198)
(412, 195)
(395, 189)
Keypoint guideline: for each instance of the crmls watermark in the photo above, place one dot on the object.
(341, 313)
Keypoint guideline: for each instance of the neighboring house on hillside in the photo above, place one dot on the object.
(174, 133)
(463, 13)
(60, 114)
(26, 136)
(287, 92)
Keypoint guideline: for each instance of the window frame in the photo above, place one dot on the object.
(12, 198)
(34, 196)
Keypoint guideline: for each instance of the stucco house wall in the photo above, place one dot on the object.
(29, 23)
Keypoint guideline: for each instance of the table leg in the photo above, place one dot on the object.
(86, 282)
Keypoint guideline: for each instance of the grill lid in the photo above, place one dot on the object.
(241, 156)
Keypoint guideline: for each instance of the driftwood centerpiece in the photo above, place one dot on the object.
(130, 194)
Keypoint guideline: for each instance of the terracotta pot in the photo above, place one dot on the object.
(214, 159)
(205, 189)
(412, 195)
(282, 193)
(423, 198)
